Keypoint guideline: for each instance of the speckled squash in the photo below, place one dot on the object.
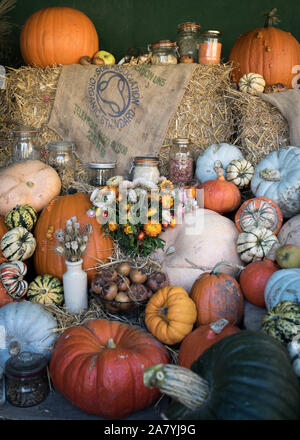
(282, 321)
(21, 215)
(46, 289)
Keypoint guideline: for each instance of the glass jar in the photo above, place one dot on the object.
(24, 144)
(188, 40)
(26, 379)
(181, 161)
(210, 47)
(61, 157)
(100, 173)
(146, 168)
(164, 52)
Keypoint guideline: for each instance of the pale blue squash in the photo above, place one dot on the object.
(283, 285)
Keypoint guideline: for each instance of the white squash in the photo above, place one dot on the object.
(255, 245)
(290, 231)
(18, 244)
(252, 83)
(240, 172)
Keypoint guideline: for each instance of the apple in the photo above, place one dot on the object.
(107, 57)
(288, 256)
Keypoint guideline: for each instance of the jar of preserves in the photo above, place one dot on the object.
(210, 47)
(164, 52)
(188, 40)
(24, 144)
(181, 165)
(100, 173)
(26, 379)
(146, 168)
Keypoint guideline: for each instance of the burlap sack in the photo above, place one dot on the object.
(114, 113)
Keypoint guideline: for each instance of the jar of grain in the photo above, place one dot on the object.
(100, 173)
(24, 144)
(181, 165)
(146, 168)
(164, 52)
(62, 157)
(210, 47)
(188, 40)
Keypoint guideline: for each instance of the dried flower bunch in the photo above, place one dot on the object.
(72, 241)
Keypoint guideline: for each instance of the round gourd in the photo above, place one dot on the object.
(18, 244)
(240, 172)
(259, 212)
(223, 152)
(99, 366)
(170, 314)
(12, 278)
(289, 233)
(54, 217)
(255, 244)
(283, 285)
(245, 376)
(46, 289)
(252, 83)
(3, 230)
(23, 215)
(200, 339)
(282, 322)
(58, 35)
(29, 182)
(30, 326)
(277, 177)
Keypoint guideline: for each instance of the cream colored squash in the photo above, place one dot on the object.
(252, 83)
(30, 182)
(18, 244)
(255, 245)
(240, 172)
(203, 240)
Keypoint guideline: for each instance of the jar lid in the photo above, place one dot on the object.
(181, 141)
(189, 25)
(164, 43)
(25, 364)
(212, 33)
(147, 159)
(102, 165)
(24, 130)
(64, 146)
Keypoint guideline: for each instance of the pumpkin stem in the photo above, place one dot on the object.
(271, 18)
(177, 382)
(225, 263)
(218, 326)
(111, 343)
(270, 175)
(218, 167)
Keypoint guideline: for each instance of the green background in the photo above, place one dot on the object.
(124, 23)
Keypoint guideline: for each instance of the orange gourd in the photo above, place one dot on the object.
(220, 195)
(52, 218)
(58, 35)
(268, 51)
(217, 295)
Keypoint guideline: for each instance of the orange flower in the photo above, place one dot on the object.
(173, 223)
(112, 226)
(152, 229)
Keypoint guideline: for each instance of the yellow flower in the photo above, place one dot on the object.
(166, 186)
(173, 222)
(128, 229)
(151, 212)
(167, 201)
(152, 229)
(112, 226)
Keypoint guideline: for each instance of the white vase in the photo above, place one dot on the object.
(75, 285)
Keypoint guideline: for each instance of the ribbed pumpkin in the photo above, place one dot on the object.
(282, 321)
(240, 172)
(203, 337)
(21, 215)
(58, 35)
(12, 278)
(46, 289)
(54, 217)
(283, 285)
(257, 212)
(268, 51)
(99, 367)
(217, 295)
(18, 244)
(170, 314)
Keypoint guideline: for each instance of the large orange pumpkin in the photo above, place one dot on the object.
(58, 35)
(99, 367)
(52, 218)
(268, 51)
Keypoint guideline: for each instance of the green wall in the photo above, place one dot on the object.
(125, 23)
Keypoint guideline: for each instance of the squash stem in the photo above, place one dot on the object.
(270, 175)
(218, 167)
(215, 269)
(110, 343)
(218, 326)
(177, 382)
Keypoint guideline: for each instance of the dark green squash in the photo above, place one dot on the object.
(245, 376)
(282, 321)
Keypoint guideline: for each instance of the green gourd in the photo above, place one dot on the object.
(282, 321)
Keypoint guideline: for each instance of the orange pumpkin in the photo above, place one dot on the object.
(267, 51)
(220, 195)
(58, 35)
(217, 295)
(54, 217)
(170, 314)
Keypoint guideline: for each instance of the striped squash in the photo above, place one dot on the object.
(240, 172)
(18, 244)
(257, 212)
(252, 83)
(46, 289)
(21, 215)
(11, 275)
(282, 321)
(254, 245)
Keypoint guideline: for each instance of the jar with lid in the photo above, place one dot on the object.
(210, 47)
(188, 40)
(164, 52)
(24, 144)
(100, 173)
(62, 157)
(26, 379)
(181, 164)
(147, 168)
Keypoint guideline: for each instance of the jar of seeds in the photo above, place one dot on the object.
(26, 379)
(188, 40)
(181, 164)
(100, 173)
(164, 52)
(146, 167)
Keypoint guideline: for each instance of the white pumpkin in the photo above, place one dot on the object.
(290, 231)
(255, 244)
(224, 153)
(28, 325)
(240, 172)
(203, 239)
(18, 244)
(252, 83)
(283, 285)
(277, 177)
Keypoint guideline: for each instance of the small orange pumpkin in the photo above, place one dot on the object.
(217, 295)
(220, 195)
(170, 314)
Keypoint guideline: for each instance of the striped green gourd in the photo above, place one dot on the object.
(21, 215)
(46, 289)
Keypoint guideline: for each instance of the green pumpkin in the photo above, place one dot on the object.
(245, 376)
(46, 289)
(282, 320)
(21, 215)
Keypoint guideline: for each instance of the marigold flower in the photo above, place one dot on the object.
(112, 226)
(151, 212)
(128, 229)
(152, 229)
(166, 186)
